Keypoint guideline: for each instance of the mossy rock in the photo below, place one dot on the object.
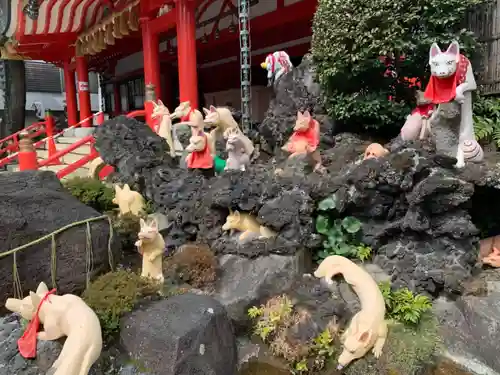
(407, 351)
(115, 293)
(91, 192)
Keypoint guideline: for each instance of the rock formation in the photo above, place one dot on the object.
(295, 91)
(35, 204)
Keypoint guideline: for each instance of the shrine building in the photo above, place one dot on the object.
(181, 49)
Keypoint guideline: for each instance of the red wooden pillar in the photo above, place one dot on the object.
(82, 74)
(151, 48)
(117, 99)
(186, 51)
(70, 88)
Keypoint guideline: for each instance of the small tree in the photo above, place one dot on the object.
(351, 36)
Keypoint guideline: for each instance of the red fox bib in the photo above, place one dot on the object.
(201, 159)
(443, 90)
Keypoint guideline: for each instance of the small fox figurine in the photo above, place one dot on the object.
(247, 224)
(237, 157)
(65, 315)
(367, 329)
(305, 139)
(151, 246)
(128, 200)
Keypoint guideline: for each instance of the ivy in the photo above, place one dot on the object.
(351, 39)
(487, 119)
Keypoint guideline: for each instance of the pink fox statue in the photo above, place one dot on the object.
(151, 246)
(417, 125)
(368, 329)
(65, 315)
(305, 138)
(489, 251)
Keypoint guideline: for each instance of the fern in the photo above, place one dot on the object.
(487, 120)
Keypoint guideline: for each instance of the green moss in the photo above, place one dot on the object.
(91, 192)
(406, 352)
(115, 293)
(127, 227)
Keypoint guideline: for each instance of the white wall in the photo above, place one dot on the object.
(53, 101)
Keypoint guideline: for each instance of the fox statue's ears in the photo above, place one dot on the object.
(434, 51)
(306, 114)
(453, 48)
(213, 109)
(364, 337)
(160, 103)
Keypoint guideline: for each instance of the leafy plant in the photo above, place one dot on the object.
(341, 234)
(487, 119)
(115, 293)
(91, 192)
(403, 306)
(271, 315)
(354, 41)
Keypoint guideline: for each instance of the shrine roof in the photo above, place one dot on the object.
(58, 21)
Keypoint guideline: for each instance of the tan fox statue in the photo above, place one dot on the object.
(65, 315)
(223, 120)
(151, 246)
(368, 329)
(247, 224)
(128, 200)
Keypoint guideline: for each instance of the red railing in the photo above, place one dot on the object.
(51, 136)
(103, 173)
(13, 139)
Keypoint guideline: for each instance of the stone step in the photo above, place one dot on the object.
(67, 140)
(66, 159)
(82, 150)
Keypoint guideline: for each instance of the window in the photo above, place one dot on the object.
(109, 100)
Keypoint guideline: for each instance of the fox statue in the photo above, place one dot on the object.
(66, 315)
(452, 78)
(367, 329)
(248, 225)
(237, 156)
(276, 64)
(151, 246)
(128, 200)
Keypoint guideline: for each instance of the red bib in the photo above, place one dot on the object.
(201, 159)
(443, 90)
(27, 343)
(311, 136)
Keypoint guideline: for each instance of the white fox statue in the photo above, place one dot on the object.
(66, 315)
(452, 78)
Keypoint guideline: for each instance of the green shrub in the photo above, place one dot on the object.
(91, 192)
(403, 306)
(349, 36)
(342, 235)
(487, 119)
(115, 293)
(127, 227)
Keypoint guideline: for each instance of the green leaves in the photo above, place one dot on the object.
(351, 224)
(487, 119)
(349, 36)
(403, 306)
(328, 204)
(340, 234)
